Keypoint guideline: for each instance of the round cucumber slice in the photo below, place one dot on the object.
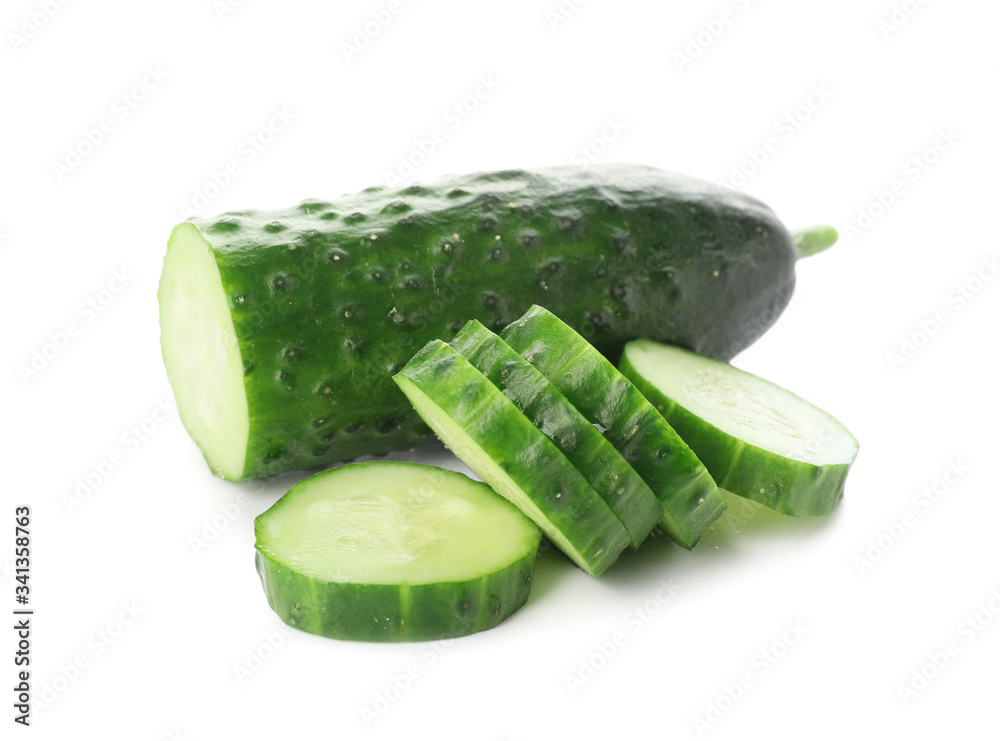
(688, 497)
(758, 440)
(394, 551)
(488, 432)
(624, 491)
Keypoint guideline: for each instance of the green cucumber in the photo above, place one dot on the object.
(393, 551)
(758, 440)
(281, 329)
(584, 446)
(689, 499)
(488, 432)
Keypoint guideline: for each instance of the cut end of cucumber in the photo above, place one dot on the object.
(475, 457)
(410, 524)
(744, 406)
(201, 352)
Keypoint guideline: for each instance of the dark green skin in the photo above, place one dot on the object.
(329, 300)
(688, 495)
(788, 486)
(425, 612)
(624, 491)
(506, 437)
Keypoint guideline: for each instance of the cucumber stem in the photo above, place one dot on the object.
(814, 239)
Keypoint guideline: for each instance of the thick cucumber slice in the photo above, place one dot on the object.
(689, 499)
(624, 491)
(486, 430)
(393, 551)
(758, 440)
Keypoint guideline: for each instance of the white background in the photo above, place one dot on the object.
(160, 535)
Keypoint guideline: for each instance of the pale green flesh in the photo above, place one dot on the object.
(201, 352)
(467, 450)
(744, 406)
(399, 523)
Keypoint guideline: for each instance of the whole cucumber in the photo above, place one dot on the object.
(281, 330)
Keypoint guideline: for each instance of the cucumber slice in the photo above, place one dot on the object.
(624, 491)
(394, 551)
(689, 499)
(486, 430)
(758, 440)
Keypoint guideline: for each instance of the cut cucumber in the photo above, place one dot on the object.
(486, 430)
(202, 353)
(584, 446)
(393, 551)
(281, 329)
(758, 440)
(689, 499)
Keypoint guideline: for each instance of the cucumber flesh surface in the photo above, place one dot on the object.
(202, 353)
(759, 440)
(394, 551)
(487, 431)
(624, 491)
(688, 496)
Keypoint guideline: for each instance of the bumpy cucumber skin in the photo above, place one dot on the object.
(330, 299)
(393, 613)
(628, 496)
(689, 497)
(788, 486)
(516, 446)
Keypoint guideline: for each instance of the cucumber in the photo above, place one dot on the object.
(757, 439)
(281, 329)
(488, 432)
(625, 493)
(393, 551)
(689, 499)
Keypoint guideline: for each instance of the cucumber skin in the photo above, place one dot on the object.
(791, 487)
(522, 452)
(690, 499)
(426, 612)
(329, 300)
